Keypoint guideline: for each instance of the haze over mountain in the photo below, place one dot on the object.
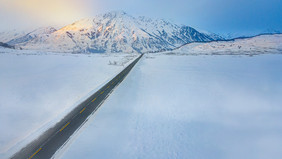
(110, 32)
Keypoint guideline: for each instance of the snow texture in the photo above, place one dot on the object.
(196, 107)
(38, 89)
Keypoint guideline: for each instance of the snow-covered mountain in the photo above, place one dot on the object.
(7, 36)
(33, 35)
(256, 45)
(235, 35)
(112, 32)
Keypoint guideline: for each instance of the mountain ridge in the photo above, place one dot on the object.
(259, 44)
(112, 32)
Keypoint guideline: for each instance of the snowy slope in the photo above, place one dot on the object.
(33, 35)
(189, 107)
(114, 32)
(7, 36)
(257, 45)
(38, 89)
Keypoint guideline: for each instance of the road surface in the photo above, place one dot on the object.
(53, 139)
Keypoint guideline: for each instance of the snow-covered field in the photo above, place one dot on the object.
(264, 44)
(37, 89)
(196, 107)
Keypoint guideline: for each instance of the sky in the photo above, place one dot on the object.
(218, 16)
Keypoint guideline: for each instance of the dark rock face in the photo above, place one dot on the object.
(6, 45)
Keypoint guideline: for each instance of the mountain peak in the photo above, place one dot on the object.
(114, 31)
(114, 14)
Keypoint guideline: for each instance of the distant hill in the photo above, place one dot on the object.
(261, 44)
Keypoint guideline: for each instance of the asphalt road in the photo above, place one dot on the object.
(53, 139)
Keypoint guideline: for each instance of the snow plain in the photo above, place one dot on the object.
(38, 89)
(196, 107)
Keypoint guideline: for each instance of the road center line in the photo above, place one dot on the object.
(35, 153)
(82, 110)
(65, 126)
(93, 100)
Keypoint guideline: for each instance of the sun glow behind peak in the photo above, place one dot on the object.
(43, 12)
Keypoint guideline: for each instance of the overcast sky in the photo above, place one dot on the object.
(219, 16)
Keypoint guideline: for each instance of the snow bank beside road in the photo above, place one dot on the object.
(38, 89)
(196, 107)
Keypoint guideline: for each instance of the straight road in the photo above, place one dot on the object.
(53, 139)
